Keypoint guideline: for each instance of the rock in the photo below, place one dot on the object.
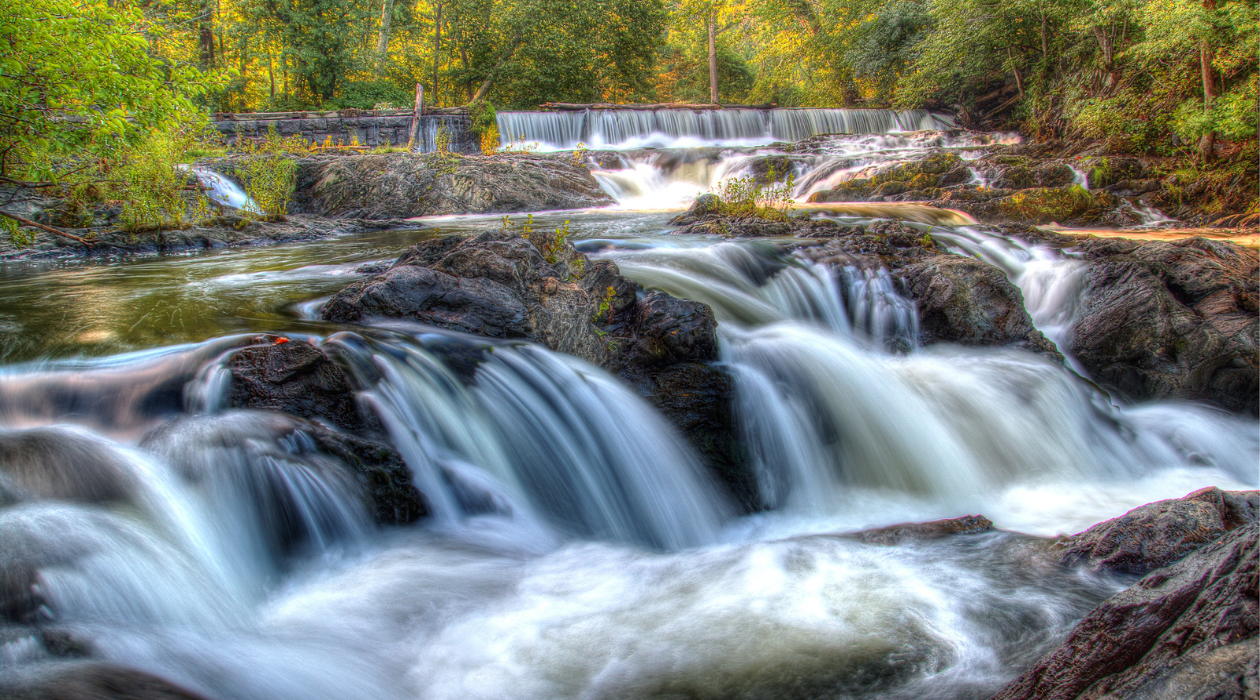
(705, 205)
(62, 465)
(495, 285)
(1158, 534)
(1187, 630)
(374, 467)
(88, 681)
(404, 185)
(696, 398)
(295, 377)
(1171, 319)
(971, 302)
(897, 534)
(669, 330)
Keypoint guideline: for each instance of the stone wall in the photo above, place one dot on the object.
(369, 129)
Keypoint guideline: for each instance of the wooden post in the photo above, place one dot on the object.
(415, 118)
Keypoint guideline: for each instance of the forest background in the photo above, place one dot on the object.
(96, 77)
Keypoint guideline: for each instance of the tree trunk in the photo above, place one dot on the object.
(437, 50)
(271, 76)
(382, 41)
(463, 57)
(713, 82)
(205, 37)
(414, 134)
(503, 58)
(1207, 145)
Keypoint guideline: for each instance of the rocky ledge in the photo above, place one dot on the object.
(402, 185)
(1186, 629)
(227, 230)
(503, 285)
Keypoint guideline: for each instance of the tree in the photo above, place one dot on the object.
(76, 78)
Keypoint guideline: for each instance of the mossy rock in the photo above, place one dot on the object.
(1053, 175)
(889, 189)
(939, 163)
(1046, 205)
(1015, 177)
(1107, 171)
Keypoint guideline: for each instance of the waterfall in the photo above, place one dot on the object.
(674, 128)
(223, 191)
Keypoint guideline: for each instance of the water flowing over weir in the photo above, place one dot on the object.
(631, 128)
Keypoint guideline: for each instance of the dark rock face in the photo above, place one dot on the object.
(90, 681)
(669, 330)
(1158, 534)
(497, 284)
(968, 301)
(1172, 320)
(1187, 630)
(381, 471)
(402, 185)
(297, 378)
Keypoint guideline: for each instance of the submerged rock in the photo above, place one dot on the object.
(89, 680)
(897, 534)
(1171, 319)
(1184, 631)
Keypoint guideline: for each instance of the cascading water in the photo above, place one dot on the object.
(223, 191)
(681, 128)
(575, 547)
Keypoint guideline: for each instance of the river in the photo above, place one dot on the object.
(576, 547)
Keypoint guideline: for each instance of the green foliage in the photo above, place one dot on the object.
(482, 116)
(154, 185)
(77, 79)
(605, 305)
(371, 94)
(746, 197)
(269, 175)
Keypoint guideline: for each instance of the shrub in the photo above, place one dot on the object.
(152, 184)
(745, 197)
(269, 175)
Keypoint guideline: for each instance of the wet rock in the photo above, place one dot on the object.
(1185, 631)
(897, 534)
(971, 302)
(297, 378)
(1158, 534)
(755, 227)
(498, 284)
(368, 466)
(60, 465)
(669, 330)
(403, 185)
(696, 398)
(88, 681)
(1171, 319)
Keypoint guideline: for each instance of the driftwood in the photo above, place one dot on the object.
(575, 107)
(50, 229)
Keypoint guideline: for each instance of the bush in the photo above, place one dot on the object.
(367, 94)
(153, 185)
(745, 197)
(269, 175)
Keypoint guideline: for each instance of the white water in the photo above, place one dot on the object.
(223, 191)
(576, 549)
(622, 129)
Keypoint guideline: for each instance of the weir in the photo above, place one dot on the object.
(638, 128)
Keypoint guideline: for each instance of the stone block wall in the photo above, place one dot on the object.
(367, 128)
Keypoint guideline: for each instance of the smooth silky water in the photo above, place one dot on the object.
(576, 547)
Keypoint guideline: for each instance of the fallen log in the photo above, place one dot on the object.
(49, 229)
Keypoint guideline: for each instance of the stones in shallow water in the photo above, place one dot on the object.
(89, 681)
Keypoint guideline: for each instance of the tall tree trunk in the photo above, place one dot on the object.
(503, 58)
(713, 83)
(437, 51)
(205, 36)
(271, 76)
(463, 57)
(1207, 144)
(382, 41)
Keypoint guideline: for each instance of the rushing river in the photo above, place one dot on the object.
(576, 548)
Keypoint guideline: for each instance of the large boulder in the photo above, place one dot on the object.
(1158, 534)
(402, 185)
(1184, 631)
(1171, 319)
(295, 377)
(971, 302)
